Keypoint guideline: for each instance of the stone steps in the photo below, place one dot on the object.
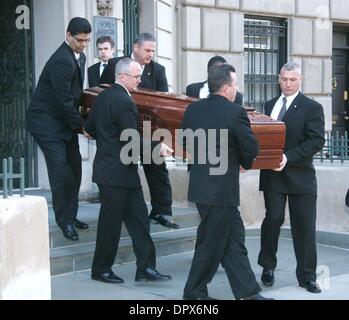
(69, 257)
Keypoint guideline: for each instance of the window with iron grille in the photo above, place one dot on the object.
(265, 51)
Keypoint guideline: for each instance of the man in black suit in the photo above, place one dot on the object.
(200, 89)
(53, 119)
(153, 77)
(221, 233)
(106, 48)
(119, 184)
(294, 180)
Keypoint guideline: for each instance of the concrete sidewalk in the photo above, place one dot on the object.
(332, 262)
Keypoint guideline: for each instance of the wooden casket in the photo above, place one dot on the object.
(165, 111)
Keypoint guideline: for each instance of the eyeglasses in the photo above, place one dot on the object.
(81, 40)
(138, 77)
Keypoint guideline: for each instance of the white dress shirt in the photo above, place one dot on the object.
(204, 91)
(279, 103)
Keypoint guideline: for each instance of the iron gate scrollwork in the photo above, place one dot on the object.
(16, 86)
(131, 24)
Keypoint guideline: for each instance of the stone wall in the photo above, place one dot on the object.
(333, 183)
(213, 27)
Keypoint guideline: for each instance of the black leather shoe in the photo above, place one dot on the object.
(70, 233)
(311, 286)
(109, 277)
(160, 219)
(186, 297)
(79, 224)
(347, 199)
(257, 296)
(268, 277)
(150, 274)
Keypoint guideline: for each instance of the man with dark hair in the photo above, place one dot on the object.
(200, 89)
(294, 180)
(106, 49)
(119, 184)
(221, 234)
(153, 77)
(54, 120)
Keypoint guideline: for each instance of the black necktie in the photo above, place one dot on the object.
(283, 109)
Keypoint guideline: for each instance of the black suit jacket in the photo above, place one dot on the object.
(113, 112)
(216, 112)
(153, 77)
(193, 90)
(305, 131)
(93, 75)
(53, 111)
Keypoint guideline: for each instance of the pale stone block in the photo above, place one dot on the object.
(326, 102)
(191, 33)
(167, 63)
(318, 8)
(42, 172)
(84, 148)
(339, 9)
(164, 47)
(237, 32)
(228, 4)
(169, 2)
(312, 70)
(77, 8)
(164, 16)
(237, 60)
(201, 3)
(120, 39)
(284, 7)
(322, 39)
(215, 27)
(24, 249)
(194, 67)
(118, 9)
(301, 36)
(327, 76)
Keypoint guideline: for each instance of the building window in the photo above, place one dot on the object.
(265, 51)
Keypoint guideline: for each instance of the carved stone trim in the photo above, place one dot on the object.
(105, 7)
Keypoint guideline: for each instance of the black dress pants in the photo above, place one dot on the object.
(159, 188)
(303, 227)
(63, 161)
(122, 205)
(221, 239)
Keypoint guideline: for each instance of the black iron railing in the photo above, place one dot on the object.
(7, 176)
(336, 147)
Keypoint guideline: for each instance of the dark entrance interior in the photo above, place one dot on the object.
(16, 85)
(340, 88)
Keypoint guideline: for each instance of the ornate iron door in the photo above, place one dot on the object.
(16, 83)
(131, 24)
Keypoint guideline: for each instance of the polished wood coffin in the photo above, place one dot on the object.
(165, 110)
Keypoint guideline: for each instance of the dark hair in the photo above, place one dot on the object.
(78, 25)
(219, 76)
(145, 36)
(103, 39)
(215, 61)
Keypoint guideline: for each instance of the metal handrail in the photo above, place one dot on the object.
(8, 175)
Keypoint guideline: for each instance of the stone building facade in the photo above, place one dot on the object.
(189, 32)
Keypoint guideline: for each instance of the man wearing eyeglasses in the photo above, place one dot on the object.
(54, 120)
(119, 185)
(153, 77)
